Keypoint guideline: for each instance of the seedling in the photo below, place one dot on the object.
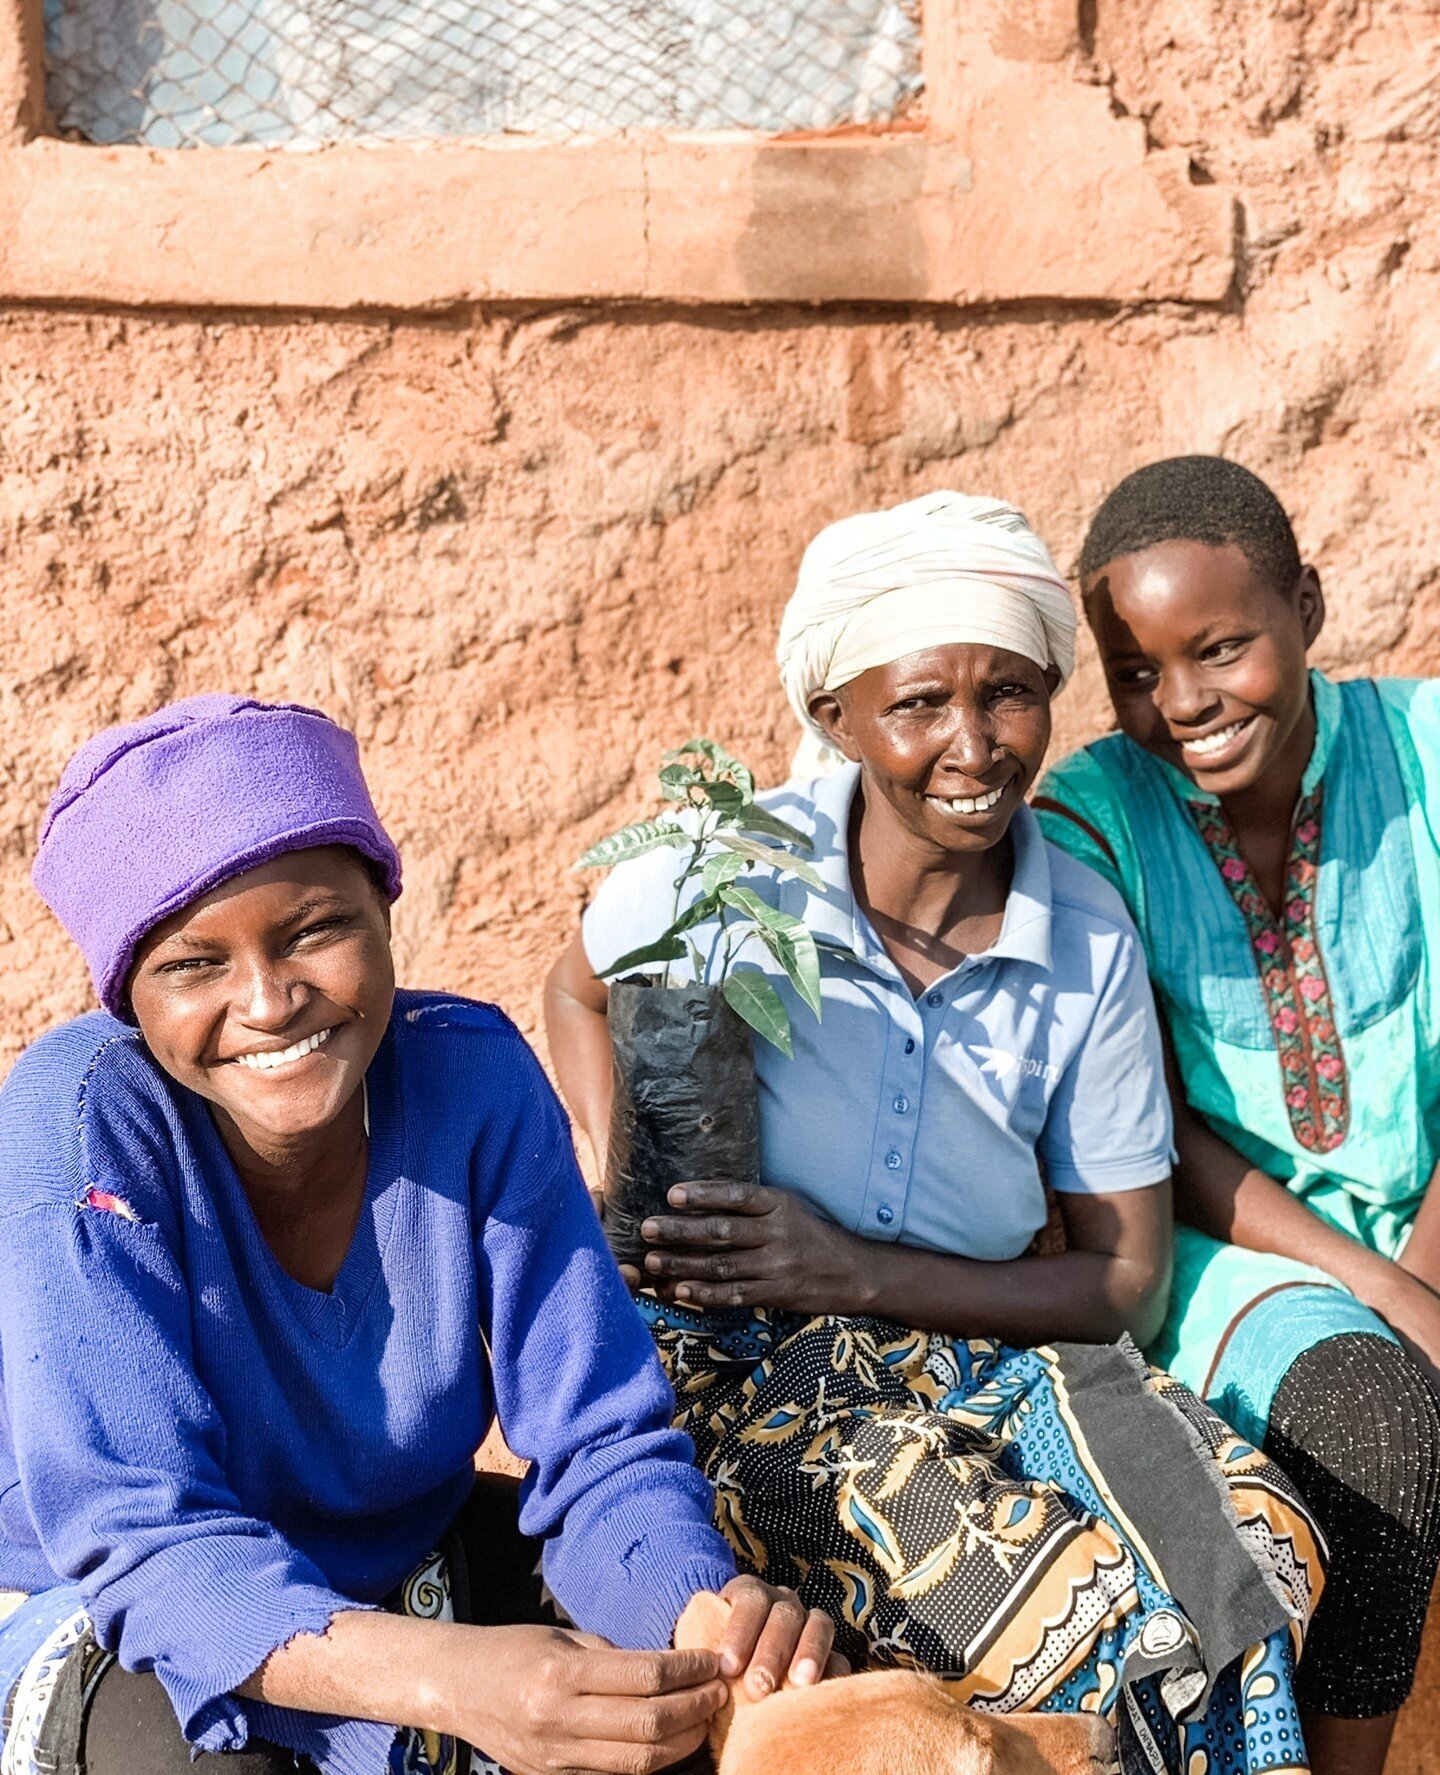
(714, 818)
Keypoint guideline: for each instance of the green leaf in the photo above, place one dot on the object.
(707, 906)
(667, 948)
(755, 852)
(720, 762)
(634, 841)
(721, 869)
(745, 899)
(677, 780)
(752, 997)
(724, 796)
(760, 819)
(786, 939)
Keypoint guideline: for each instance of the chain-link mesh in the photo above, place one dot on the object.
(181, 73)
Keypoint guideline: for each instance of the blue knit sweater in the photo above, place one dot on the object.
(221, 1457)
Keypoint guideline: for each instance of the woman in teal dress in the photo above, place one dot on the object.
(1273, 835)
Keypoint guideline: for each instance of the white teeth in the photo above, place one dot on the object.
(296, 1051)
(970, 804)
(1214, 742)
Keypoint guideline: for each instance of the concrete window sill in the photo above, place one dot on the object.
(1021, 187)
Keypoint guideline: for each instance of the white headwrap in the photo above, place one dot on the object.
(942, 568)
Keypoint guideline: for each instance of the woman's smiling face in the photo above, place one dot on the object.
(269, 996)
(950, 738)
(1205, 660)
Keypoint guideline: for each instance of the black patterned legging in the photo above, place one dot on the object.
(1356, 1425)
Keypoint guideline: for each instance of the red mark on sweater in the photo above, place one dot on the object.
(108, 1204)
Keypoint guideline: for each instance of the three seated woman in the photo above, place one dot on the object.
(282, 1241)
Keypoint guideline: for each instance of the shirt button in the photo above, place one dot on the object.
(909, 1044)
(893, 1161)
(902, 1103)
(935, 998)
(884, 1215)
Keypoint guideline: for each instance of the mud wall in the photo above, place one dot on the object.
(522, 550)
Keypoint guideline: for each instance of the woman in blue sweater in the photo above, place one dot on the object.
(279, 1244)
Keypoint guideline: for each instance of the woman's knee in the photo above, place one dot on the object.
(1356, 1422)
(1356, 1425)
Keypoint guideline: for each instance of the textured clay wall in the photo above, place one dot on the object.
(522, 551)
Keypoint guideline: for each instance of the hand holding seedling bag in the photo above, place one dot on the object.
(685, 1102)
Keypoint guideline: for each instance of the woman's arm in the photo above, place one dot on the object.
(1421, 1256)
(740, 1244)
(579, 1037)
(536, 1698)
(626, 1518)
(1223, 1194)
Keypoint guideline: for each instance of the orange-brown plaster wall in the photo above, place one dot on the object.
(521, 550)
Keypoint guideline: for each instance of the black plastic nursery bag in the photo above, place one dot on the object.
(685, 1105)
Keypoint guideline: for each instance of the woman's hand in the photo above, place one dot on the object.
(743, 1245)
(542, 1701)
(772, 1636)
(1409, 1307)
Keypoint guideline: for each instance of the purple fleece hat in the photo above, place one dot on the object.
(149, 817)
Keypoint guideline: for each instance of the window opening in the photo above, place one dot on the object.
(190, 73)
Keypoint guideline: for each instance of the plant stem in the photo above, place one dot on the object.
(727, 933)
(751, 932)
(702, 838)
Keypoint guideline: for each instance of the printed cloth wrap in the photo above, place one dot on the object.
(1064, 1528)
(50, 1668)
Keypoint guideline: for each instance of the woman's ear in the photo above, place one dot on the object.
(826, 708)
(1310, 601)
(1052, 679)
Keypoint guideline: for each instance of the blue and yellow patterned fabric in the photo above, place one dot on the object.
(1057, 1529)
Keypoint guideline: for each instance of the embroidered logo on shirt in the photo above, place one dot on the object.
(1000, 1064)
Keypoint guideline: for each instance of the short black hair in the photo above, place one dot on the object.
(1195, 499)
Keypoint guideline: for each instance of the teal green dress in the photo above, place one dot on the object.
(1311, 1041)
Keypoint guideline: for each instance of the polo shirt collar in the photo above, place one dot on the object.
(833, 917)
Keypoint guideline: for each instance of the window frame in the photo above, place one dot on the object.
(940, 210)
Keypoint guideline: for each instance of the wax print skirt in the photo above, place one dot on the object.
(1063, 1528)
(50, 1668)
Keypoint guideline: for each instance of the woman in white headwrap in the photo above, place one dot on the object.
(852, 1340)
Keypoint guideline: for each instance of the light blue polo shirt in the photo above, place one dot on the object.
(928, 1120)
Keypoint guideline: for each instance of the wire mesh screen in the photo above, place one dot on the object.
(181, 73)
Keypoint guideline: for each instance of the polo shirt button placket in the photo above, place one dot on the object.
(900, 1086)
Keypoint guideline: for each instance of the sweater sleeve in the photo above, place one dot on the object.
(119, 1449)
(612, 1487)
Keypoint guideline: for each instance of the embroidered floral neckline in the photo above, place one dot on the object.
(1292, 974)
